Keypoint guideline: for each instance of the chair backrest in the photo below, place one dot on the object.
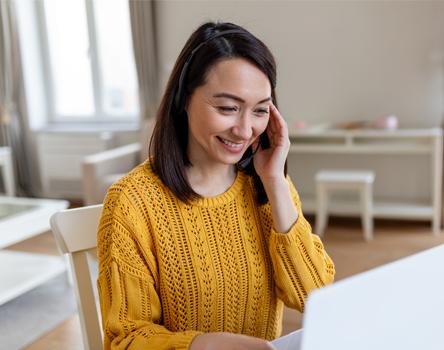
(75, 233)
(7, 170)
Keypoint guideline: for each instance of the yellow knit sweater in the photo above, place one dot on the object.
(169, 271)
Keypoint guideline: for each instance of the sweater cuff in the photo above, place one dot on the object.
(300, 228)
(188, 337)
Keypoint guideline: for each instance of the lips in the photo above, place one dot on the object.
(231, 144)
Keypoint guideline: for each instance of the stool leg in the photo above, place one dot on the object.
(367, 211)
(321, 209)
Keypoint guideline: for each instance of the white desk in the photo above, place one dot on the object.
(366, 143)
(20, 219)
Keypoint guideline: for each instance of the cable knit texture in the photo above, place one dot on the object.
(169, 271)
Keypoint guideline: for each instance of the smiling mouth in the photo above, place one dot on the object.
(230, 143)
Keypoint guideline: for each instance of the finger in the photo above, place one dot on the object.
(270, 125)
(279, 120)
(270, 137)
(274, 121)
(281, 124)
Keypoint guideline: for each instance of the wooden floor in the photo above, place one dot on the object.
(343, 241)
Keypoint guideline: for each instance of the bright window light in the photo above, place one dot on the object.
(119, 93)
(68, 46)
(89, 54)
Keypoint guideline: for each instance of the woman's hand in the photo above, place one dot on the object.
(229, 341)
(269, 163)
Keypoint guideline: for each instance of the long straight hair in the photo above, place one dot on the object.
(168, 145)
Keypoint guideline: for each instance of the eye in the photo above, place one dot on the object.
(227, 109)
(262, 111)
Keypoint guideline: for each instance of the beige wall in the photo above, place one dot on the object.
(337, 60)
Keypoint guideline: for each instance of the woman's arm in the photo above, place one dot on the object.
(224, 341)
(300, 262)
(269, 164)
(130, 305)
(282, 206)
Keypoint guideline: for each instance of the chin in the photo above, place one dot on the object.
(230, 160)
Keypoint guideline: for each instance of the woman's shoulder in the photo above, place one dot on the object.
(143, 171)
(140, 179)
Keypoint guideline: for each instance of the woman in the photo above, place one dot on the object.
(200, 246)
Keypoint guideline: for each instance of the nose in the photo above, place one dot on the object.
(243, 129)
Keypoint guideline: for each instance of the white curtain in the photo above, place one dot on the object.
(12, 101)
(143, 28)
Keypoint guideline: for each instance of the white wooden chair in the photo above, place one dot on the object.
(75, 233)
(101, 170)
(7, 170)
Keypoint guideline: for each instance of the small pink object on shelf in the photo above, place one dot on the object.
(388, 122)
(300, 125)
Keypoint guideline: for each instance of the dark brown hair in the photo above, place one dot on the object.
(168, 145)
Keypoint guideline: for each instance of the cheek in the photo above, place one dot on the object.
(203, 120)
(216, 124)
(261, 125)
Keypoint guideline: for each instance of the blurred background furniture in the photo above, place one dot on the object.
(400, 159)
(60, 151)
(7, 171)
(102, 169)
(75, 233)
(330, 181)
(20, 219)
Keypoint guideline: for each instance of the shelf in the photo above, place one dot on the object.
(402, 141)
(326, 132)
(371, 144)
(26, 271)
(360, 148)
(381, 209)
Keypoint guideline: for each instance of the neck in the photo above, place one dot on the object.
(210, 181)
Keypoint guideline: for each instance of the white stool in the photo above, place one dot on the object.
(336, 180)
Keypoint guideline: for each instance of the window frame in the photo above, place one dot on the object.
(99, 116)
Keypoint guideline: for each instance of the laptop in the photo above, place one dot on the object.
(395, 306)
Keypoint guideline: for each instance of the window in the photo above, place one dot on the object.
(88, 56)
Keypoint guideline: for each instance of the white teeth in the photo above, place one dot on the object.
(231, 144)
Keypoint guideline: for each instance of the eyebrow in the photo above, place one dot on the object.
(237, 98)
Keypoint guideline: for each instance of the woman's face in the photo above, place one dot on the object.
(228, 112)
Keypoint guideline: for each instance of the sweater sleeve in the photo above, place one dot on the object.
(299, 259)
(128, 282)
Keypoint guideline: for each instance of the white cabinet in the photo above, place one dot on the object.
(407, 163)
